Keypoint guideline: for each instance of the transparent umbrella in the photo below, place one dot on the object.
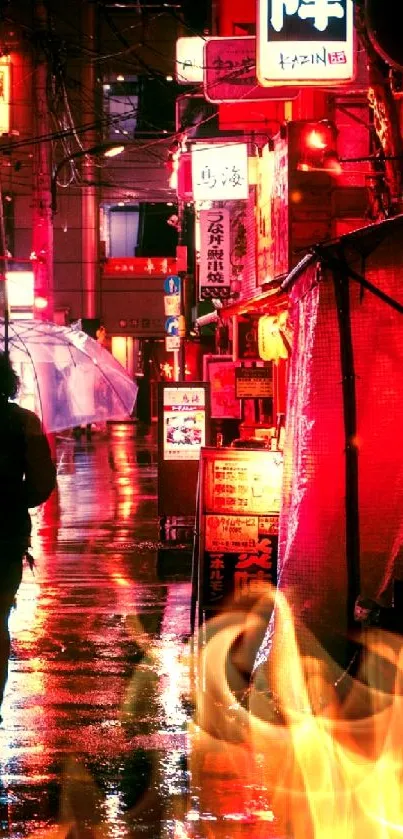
(66, 377)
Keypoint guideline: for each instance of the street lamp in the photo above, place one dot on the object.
(106, 149)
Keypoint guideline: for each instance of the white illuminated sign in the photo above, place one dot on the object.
(305, 42)
(189, 60)
(219, 171)
(184, 422)
(4, 96)
(20, 291)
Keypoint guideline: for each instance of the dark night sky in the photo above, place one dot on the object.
(197, 13)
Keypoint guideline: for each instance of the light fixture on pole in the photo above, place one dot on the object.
(104, 149)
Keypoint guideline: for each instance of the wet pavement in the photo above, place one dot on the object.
(97, 733)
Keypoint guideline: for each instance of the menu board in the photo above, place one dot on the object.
(249, 484)
(183, 428)
(184, 422)
(254, 382)
(240, 493)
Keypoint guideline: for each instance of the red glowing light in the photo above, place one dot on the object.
(316, 139)
(318, 148)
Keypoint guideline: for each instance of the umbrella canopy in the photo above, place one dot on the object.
(66, 377)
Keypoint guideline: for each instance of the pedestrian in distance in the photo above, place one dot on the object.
(27, 478)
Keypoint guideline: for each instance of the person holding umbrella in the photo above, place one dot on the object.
(27, 478)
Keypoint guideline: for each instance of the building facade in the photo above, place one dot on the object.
(76, 83)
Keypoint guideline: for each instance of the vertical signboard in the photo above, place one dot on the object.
(280, 232)
(183, 428)
(307, 42)
(264, 193)
(215, 243)
(4, 95)
(240, 493)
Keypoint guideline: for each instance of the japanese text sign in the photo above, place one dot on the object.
(172, 305)
(214, 276)
(184, 422)
(230, 72)
(136, 266)
(219, 171)
(305, 41)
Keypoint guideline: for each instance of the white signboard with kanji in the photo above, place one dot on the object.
(307, 42)
(215, 274)
(219, 171)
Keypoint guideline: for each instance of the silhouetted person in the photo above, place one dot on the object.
(27, 478)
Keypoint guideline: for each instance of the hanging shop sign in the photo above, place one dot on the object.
(4, 95)
(230, 72)
(280, 223)
(308, 42)
(214, 270)
(189, 60)
(220, 171)
(264, 191)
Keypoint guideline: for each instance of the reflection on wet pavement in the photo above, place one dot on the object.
(97, 738)
(98, 666)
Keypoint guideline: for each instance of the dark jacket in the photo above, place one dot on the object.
(27, 471)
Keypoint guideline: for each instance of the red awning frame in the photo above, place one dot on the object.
(268, 302)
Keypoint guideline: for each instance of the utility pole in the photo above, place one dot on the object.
(90, 204)
(182, 298)
(42, 223)
(182, 329)
(3, 274)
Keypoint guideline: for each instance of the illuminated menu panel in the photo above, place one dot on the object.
(184, 422)
(249, 485)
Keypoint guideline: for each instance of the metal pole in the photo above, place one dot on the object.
(182, 329)
(3, 273)
(182, 310)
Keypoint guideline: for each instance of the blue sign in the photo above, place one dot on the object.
(172, 284)
(172, 326)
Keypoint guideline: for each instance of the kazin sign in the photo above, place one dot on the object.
(308, 42)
